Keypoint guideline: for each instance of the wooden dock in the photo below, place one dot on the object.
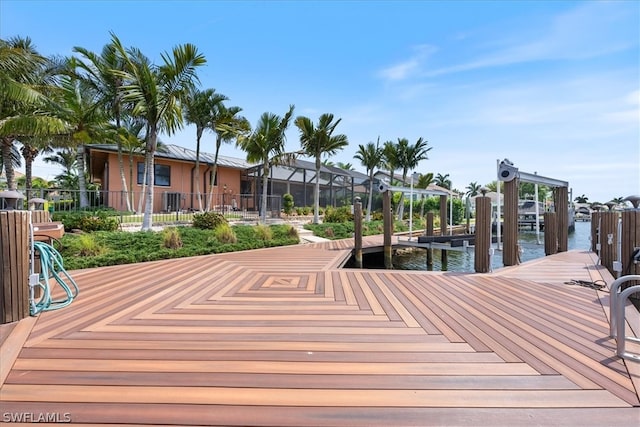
(282, 337)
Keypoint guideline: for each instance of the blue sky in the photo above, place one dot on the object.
(554, 86)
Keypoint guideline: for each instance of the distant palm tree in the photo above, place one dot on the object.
(317, 141)
(581, 199)
(424, 181)
(228, 125)
(266, 144)
(156, 93)
(443, 181)
(345, 166)
(390, 159)
(370, 156)
(472, 189)
(201, 106)
(409, 156)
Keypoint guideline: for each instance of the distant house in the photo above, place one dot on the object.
(237, 185)
(174, 177)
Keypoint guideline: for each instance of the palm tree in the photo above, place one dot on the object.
(266, 145)
(228, 125)
(345, 166)
(98, 72)
(443, 181)
(409, 156)
(370, 156)
(79, 107)
(424, 181)
(201, 107)
(156, 92)
(472, 189)
(318, 141)
(581, 199)
(21, 104)
(390, 159)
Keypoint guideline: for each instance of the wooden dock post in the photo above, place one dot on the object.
(429, 232)
(630, 241)
(561, 202)
(595, 224)
(510, 228)
(387, 217)
(609, 239)
(482, 260)
(550, 233)
(443, 228)
(357, 224)
(14, 259)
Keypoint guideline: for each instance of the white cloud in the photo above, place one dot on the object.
(411, 66)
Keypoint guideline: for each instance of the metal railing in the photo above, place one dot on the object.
(617, 318)
(168, 206)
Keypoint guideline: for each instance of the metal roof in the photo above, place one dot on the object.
(175, 152)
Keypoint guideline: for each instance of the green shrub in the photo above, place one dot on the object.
(287, 203)
(88, 221)
(208, 220)
(224, 234)
(87, 246)
(171, 238)
(263, 232)
(338, 215)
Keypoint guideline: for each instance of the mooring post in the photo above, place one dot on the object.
(357, 224)
(482, 258)
(14, 259)
(429, 232)
(510, 227)
(630, 241)
(550, 233)
(443, 228)
(387, 217)
(561, 202)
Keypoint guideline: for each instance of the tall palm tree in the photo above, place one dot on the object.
(79, 107)
(98, 72)
(156, 92)
(266, 145)
(317, 141)
(390, 158)
(409, 156)
(201, 107)
(228, 126)
(581, 199)
(370, 156)
(21, 103)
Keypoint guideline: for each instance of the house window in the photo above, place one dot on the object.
(161, 175)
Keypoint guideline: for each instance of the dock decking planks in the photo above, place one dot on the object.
(282, 337)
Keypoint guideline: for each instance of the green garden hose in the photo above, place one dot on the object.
(51, 267)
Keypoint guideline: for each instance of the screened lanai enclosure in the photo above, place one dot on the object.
(338, 187)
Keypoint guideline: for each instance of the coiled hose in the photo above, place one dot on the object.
(51, 267)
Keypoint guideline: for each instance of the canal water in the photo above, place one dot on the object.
(464, 261)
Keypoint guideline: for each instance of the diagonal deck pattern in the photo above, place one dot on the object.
(282, 337)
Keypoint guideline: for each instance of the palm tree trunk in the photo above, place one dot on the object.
(10, 175)
(265, 182)
(123, 177)
(316, 196)
(147, 220)
(133, 194)
(369, 202)
(82, 182)
(196, 176)
(214, 172)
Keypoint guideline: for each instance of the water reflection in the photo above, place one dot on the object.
(464, 261)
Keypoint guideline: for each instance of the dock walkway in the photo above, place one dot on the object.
(283, 337)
